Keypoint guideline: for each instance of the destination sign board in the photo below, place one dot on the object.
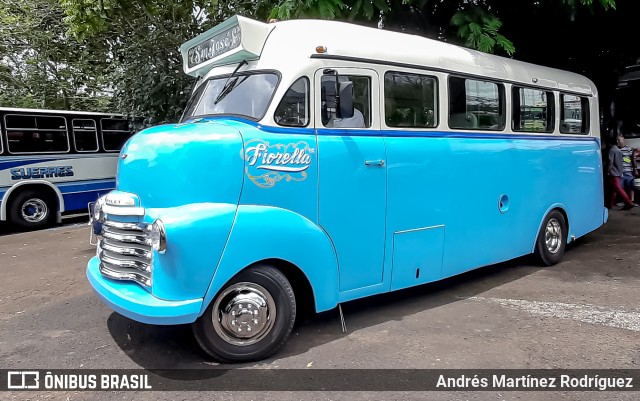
(226, 40)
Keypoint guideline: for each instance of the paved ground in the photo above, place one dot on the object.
(582, 313)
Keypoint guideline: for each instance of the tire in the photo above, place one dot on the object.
(227, 338)
(552, 239)
(31, 209)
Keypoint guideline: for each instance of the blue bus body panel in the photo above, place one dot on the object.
(198, 233)
(190, 176)
(458, 182)
(265, 232)
(352, 203)
(179, 164)
(233, 193)
(78, 194)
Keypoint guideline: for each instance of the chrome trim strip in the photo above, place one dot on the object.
(130, 264)
(130, 238)
(126, 226)
(133, 276)
(123, 210)
(127, 251)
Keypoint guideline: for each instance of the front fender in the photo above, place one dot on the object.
(265, 232)
(196, 236)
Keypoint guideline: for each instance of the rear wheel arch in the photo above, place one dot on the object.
(552, 237)
(45, 188)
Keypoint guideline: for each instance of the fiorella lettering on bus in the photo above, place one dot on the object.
(25, 173)
(281, 161)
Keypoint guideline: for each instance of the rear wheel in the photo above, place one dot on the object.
(31, 209)
(250, 318)
(552, 239)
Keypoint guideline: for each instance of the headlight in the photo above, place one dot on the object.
(158, 236)
(96, 218)
(97, 214)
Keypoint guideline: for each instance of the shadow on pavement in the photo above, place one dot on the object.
(174, 347)
(7, 229)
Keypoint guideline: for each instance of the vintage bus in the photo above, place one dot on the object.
(319, 162)
(54, 162)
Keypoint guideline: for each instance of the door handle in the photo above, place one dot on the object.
(378, 163)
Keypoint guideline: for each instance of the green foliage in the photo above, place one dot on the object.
(293, 9)
(142, 38)
(122, 55)
(479, 29)
(40, 66)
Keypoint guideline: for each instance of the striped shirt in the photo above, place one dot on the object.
(627, 154)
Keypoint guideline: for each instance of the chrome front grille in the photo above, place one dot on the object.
(125, 253)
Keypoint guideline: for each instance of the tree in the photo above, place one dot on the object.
(476, 23)
(40, 66)
(142, 40)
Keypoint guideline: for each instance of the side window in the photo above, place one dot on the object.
(85, 135)
(36, 134)
(574, 114)
(115, 133)
(476, 104)
(533, 110)
(293, 109)
(409, 100)
(361, 102)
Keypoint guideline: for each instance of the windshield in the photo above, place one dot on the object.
(242, 94)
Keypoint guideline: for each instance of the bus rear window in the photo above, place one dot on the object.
(533, 110)
(574, 117)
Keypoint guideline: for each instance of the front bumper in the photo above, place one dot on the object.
(129, 299)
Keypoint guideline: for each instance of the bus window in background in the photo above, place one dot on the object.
(115, 133)
(53, 163)
(85, 135)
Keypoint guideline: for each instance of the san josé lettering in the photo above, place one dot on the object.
(227, 40)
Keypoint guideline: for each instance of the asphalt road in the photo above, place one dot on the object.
(581, 313)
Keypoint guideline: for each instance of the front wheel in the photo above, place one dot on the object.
(31, 210)
(250, 318)
(552, 239)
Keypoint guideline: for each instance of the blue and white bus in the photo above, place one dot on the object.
(319, 162)
(54, 162)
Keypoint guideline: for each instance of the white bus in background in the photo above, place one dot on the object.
(53, 162)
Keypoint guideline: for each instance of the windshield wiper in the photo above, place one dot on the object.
(229, 85)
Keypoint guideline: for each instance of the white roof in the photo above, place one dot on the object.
(46, 111)
(290, 44)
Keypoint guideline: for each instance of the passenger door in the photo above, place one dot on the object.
(352, 182)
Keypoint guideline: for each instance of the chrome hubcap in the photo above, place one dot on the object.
(34, 210)
(244, 314)
(553, 235)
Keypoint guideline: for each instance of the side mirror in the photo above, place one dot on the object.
(346, 100)
(328, 97)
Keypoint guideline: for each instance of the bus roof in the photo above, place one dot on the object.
(47, 111)
(289, 44)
